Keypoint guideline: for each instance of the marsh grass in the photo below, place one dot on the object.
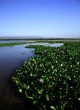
(12, 44)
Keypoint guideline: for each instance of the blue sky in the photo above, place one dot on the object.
(48, 18)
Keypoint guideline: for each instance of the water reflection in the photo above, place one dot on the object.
(11, 58)
(47, 44)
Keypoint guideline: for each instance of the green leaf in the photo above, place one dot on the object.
(29, 97)
(52, 107)
(40, 91)
(47, 97)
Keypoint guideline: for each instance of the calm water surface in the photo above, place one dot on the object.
(47, 44)
(10, 59)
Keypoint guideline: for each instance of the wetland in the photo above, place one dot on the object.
(40, 76)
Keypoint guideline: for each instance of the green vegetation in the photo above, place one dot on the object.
(51, 80)
(37, 41)
(11, 44)
(57, 40)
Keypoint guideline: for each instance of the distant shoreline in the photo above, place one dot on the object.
(22, 38)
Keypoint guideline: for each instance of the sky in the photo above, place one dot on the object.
(50, 18)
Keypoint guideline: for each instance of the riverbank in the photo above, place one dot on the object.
(12, 44)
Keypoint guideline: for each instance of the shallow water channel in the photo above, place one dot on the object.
(11, 57)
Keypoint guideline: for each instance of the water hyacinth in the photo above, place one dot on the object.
(51, 80)
(40, 80)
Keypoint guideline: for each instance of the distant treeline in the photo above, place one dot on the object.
(6, 38)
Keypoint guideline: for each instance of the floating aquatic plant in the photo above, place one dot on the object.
(52, 78)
